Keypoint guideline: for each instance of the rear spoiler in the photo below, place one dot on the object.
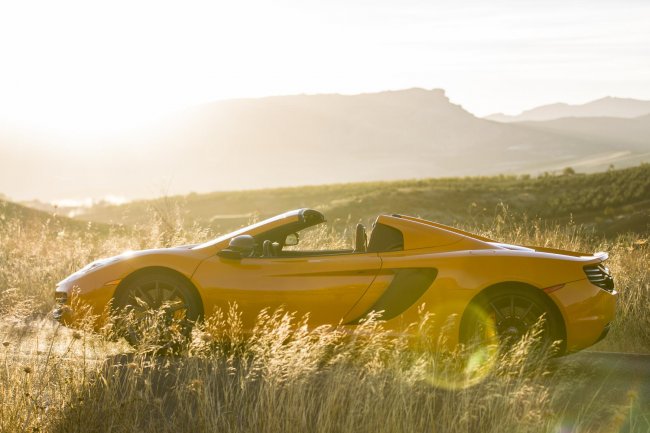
(602, 255)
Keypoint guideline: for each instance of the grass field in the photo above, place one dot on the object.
(288, 377)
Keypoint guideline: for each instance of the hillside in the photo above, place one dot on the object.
(329, 138)
(612, 202)
(627, 138)
(33, 218)
(604, 107)
(296, 140)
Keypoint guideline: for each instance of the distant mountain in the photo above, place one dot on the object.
(299, 140)
(604, 107)
(630, 134)
(314, 139)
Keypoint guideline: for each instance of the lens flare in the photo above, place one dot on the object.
(471, 364)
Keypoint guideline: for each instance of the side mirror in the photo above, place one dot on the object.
(291, 239)
(239, 246)
(229, 254)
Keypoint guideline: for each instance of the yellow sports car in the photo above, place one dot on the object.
(405, 263)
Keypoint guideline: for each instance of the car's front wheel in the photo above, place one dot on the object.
(157, 309)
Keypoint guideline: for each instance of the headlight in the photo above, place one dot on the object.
(97, 264)
(91, 267)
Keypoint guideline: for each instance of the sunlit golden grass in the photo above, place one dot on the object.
(286, 376)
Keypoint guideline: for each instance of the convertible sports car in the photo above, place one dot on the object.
(405, 263)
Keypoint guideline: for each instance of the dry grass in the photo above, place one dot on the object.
(287, 377)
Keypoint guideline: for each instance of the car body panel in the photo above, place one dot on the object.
(439, 270)
(462, 276)
(326, 287)
(587, 311)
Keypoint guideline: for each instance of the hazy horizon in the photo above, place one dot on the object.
(83, 84)
(241, 144)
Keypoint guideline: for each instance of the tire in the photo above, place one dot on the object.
(157, 310)
(505, 315)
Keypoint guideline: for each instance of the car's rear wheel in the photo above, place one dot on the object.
(504, 316)
(157, 310)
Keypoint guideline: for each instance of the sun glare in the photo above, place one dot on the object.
(84, 67)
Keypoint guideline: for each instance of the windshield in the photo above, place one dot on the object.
(243, 230)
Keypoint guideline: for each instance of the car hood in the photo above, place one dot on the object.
(127, 255)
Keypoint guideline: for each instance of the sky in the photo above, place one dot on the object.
(94, 65)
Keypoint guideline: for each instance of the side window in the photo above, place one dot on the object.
(319, 238)
(316, 240)
(385, 238)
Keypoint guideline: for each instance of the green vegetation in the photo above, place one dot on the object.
(612, 202)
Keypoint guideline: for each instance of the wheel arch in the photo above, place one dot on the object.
(533, 290)
(157, 270)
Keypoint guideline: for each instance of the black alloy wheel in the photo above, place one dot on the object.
(505, 316)
(157, 309)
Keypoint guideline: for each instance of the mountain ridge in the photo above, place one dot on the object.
(608, 106)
